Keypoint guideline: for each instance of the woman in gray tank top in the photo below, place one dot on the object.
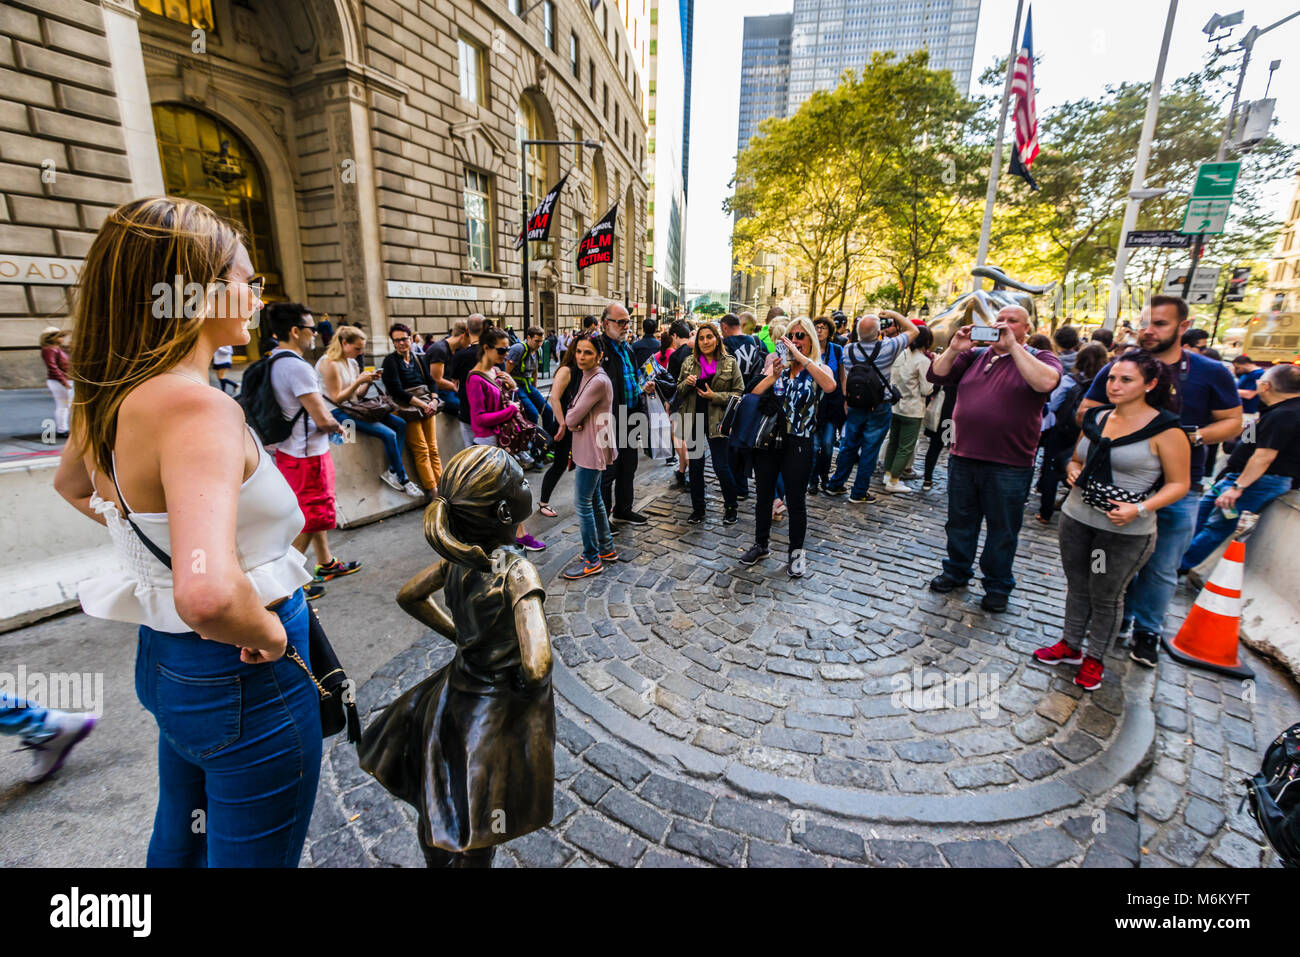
(1108, 525)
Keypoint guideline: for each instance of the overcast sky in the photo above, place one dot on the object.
(1119, 40)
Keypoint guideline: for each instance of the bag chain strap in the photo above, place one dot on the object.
(294, 656)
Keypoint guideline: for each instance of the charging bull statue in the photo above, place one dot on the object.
(982, 306)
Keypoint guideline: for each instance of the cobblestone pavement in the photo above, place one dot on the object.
(710, 713)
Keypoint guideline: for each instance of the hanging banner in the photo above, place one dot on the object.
(597, 244)
(539, 221)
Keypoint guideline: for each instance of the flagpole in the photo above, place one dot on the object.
(526, 283)
(995, 167)
(1139, 174)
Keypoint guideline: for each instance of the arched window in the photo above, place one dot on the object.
(206, 161)
(533, 161)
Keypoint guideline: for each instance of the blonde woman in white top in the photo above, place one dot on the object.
(159, 456)
(908, 376)
(341, 380)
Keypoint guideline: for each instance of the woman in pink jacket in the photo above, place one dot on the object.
(488, 409)
(589, 418)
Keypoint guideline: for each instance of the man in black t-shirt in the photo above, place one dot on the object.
(1258, 471)
(439, 358)
(462, 363)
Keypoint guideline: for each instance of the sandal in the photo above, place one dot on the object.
(547, 511)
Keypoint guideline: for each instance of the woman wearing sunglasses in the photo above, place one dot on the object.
(408, 380)
(798, 379)
(488, 408)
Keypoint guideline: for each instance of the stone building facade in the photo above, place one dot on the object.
(369, 149)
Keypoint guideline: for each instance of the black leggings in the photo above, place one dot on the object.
(562, 447)
(794, 464)
(937, 444)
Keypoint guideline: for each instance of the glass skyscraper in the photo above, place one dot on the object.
(764, 72)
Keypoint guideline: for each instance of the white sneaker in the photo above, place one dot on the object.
(896, 486)
(390, 479)
(798, 566)
(50, 755)
(411, 489)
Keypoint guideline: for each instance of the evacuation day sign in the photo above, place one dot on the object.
(597, 244)
(539, 221)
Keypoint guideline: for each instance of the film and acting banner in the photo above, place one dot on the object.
(539, 221)
(597, 244)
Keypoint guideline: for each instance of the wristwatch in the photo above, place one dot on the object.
(1197, 440)
(1237, 487)
(1143, 511)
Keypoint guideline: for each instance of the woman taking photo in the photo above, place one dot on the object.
(909, 412)
(488, 409)
(590, 420)
(407, 380)
(709, 379)
(341, 380)
(238, 718)
(798, 381)
(830, 411)
(563, 388)
(57, 365)
(1126, 449)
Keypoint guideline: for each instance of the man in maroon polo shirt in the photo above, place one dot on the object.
(1001, 392)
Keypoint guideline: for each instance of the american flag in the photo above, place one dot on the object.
(1026, 114)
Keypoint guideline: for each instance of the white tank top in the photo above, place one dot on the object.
(268, 521)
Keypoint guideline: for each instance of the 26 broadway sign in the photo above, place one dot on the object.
(597, 244)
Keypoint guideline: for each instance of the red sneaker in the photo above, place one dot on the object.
(1059, 654)
(1090, 672)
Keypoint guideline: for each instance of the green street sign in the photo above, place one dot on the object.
(1206, 216)
(1216, 180)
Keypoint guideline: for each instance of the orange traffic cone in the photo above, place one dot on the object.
(1208, 638)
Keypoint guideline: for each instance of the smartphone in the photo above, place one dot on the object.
(985, 334)
(783, 352)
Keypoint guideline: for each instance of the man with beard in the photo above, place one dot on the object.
(1205, 397)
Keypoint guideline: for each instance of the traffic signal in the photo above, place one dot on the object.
(1237, 284)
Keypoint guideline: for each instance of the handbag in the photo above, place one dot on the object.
(729, 416)
(516, 433)
(377, 408)
(338, 702)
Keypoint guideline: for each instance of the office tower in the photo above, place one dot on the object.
(764, 72)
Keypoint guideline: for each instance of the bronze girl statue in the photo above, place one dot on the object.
(472, 747)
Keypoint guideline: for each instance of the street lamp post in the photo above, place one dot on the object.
(1137, 190)
(523, 159)
(1247, 46)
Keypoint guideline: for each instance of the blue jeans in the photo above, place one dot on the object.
(597, 539)
(450, 401)
(239, 748)
(823, 448)
(990, 493)
(532, 403)
(24, 718)
(1212, 528)
(1148, 595)
(864, 434)
(387, 432)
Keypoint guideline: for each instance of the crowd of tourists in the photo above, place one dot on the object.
(777, 411)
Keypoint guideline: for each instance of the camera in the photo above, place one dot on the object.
(985, 334)
(886, 322)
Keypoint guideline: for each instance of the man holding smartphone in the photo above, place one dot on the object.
(866, 426)
(1001, 393)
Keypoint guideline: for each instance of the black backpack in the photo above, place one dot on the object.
(260, 406)
(1274, 796)
(865, 387)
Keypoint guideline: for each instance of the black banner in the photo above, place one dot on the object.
(597, 244)
(539, 221)
(1237, 284)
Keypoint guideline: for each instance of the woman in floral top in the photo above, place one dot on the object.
(800, 380)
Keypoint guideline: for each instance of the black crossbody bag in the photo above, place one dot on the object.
(338, 704)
